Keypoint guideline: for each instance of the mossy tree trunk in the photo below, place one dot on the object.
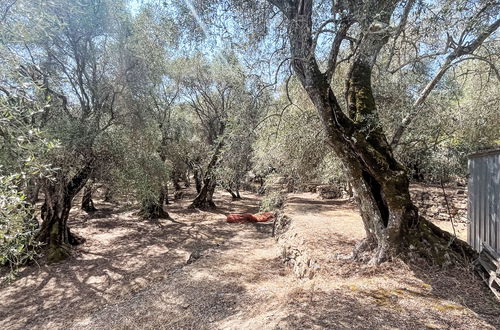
(54, 230)
(381, 184)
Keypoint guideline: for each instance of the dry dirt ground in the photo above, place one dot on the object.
(132, 274)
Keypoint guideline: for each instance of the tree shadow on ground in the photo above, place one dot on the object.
(342, 309)
(445, 289)
(463, 286)
(122, 254)
(183, 303)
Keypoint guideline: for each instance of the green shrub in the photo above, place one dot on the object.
(17, 228)
(272, 200)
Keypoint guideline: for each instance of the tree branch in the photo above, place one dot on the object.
(459, 51)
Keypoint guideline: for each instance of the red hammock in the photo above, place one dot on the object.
(247, 217)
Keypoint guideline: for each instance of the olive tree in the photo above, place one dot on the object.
(321, 36)
(72, 64)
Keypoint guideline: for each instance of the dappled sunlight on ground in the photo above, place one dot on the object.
(133, 273)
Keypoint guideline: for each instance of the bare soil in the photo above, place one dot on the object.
(133, 273)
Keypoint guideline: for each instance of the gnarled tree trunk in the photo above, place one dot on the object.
(54, 230)
(87, 202)
(204, 199)
(381, 183)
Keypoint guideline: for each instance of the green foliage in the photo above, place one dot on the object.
(17, 227)
(292, 142)
(23, 157)
(461, 118)
(273, 200)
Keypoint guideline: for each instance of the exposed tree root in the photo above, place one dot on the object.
(58, 253)
(437, 246)
(425, 241)
(153, 211)
(204, 205)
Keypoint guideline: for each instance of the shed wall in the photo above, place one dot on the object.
(484, 201)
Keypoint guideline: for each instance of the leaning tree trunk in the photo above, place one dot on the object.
(381, 184)
(87, 202)
(232, 193)
(54, 230)
(204, 199)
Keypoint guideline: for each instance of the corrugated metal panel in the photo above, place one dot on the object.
(484, 200)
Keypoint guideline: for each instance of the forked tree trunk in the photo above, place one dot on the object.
(54, 230)
(204, 199)
(87, 202)
(234, 194)
(381, 183)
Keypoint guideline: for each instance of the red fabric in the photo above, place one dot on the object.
(247, 217)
